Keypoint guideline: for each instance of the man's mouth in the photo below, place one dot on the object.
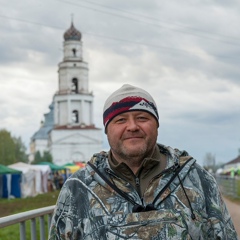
(133, 137)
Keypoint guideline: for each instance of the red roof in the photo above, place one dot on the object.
(235, 160)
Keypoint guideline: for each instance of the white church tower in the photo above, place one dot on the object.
(73, 137)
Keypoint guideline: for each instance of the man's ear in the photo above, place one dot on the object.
(105, 131)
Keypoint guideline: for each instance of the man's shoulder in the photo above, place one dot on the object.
(172, 151)
(99, 158)
(179, 156)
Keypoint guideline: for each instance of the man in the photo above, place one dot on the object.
(139, 189)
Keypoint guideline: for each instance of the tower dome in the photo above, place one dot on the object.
(72, 34)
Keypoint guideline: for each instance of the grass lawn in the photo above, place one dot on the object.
(17, 205)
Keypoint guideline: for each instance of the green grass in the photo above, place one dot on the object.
(13, 206)
(13, 232)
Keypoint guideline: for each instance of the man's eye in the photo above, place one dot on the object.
(120, 120)
(142, 118)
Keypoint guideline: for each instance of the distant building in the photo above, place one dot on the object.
(68, 131)
(235, 163)
(39, 141)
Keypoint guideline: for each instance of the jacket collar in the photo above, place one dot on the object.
(155, 160)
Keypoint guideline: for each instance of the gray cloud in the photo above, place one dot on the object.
(186, 55)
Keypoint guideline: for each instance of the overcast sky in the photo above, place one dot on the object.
(186, 54)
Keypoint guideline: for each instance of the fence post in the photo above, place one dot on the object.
(42, 230)
(22, 231)
(33, 229)
(229, 186)
(49, 220)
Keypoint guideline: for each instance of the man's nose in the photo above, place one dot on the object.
(132, 125)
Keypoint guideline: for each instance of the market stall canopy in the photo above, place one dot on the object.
(10, 182)
(69, 164)
(71, 167)
(53, 166)
(32, 182)
(81, 164)
(7, 170)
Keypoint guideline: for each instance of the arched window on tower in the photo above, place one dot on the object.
(75, 117)
(74, 52)
(75, 85)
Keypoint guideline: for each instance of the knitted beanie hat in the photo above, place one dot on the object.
(128, 98)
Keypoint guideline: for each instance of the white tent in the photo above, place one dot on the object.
(34, 178)
(45, 170)
(28, 179)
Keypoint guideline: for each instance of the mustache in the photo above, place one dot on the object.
(133, 135)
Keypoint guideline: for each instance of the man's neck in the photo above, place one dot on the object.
(133, 162)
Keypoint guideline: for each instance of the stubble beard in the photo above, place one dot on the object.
(132, 156)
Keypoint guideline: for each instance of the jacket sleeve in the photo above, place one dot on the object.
(220, 225)
(61, 224)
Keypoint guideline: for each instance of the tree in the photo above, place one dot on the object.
(47, 157)
(209, 162)
(12, 149)
(20, 150)
(7, 148)
(37, 158)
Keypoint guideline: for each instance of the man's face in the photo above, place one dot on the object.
(132, 134)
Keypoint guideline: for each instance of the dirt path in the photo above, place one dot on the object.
(234, 210)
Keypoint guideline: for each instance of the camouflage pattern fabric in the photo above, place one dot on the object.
(88, 208)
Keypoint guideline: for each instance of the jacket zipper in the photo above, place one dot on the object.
(138, 188)
(137, 182)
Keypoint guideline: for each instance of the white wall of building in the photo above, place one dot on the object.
(75, 145)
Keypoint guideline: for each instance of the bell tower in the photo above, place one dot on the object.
(73, 103)
(74, 137)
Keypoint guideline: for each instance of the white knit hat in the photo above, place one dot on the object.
(128, 98)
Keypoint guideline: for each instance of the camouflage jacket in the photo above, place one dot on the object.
(186, 199)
